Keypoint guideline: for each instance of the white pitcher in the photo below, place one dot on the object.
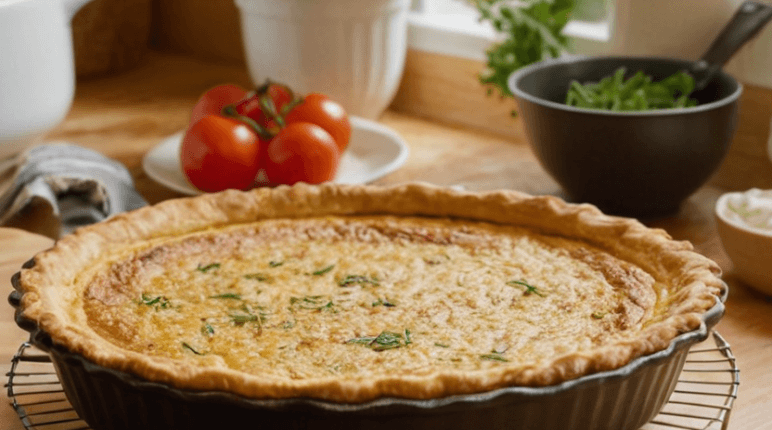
(37, 76)
(352, 50)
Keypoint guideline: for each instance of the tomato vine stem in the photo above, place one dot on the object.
(262, 96)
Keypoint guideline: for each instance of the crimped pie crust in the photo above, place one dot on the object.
(663, 288)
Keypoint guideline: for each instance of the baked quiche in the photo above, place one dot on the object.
(353, 293)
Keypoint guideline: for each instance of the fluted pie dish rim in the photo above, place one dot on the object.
(698, 295)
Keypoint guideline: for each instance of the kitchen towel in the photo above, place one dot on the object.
(55, 188)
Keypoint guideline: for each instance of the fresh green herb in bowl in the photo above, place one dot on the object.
(637, 93)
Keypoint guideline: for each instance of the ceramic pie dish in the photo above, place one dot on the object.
(357, 306)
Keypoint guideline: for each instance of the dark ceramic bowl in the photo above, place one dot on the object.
(642, 164)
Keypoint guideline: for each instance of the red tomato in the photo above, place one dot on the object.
(320, 110)
(218, 153)
(301, 152)
(212, 101)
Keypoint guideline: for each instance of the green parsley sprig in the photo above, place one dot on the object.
(531, 30)
(358, 280)
(494, 356)
(187, 346)
(157, 302)
(208, 267)
(315, 303)
(227, 296)
(385, 340)
(324, 270)
(529, 289)
(383, 302)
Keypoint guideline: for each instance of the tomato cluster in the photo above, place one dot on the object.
(235, 134)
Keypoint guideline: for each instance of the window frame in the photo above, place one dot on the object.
(449, 27)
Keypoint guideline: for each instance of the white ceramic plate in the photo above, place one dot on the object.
(373, 152)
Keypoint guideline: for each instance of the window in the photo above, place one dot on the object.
(451, 27)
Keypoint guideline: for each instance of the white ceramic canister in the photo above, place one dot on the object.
(351, 50)
(37, 77)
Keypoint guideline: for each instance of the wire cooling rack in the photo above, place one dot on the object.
(702, 400)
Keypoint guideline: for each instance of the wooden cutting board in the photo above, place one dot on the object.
(16, 247)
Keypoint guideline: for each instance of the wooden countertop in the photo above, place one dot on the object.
(126, 115)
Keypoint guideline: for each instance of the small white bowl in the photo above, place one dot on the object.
(351, 50)
(744, 222)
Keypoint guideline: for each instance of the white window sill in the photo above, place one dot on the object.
(462, 35)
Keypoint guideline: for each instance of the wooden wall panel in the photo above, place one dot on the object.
(110, 36)
(208, 29)
(448, 90)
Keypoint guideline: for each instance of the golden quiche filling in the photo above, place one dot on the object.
(353, 293)
(368, 297)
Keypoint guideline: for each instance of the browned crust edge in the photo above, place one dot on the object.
(695, 281)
